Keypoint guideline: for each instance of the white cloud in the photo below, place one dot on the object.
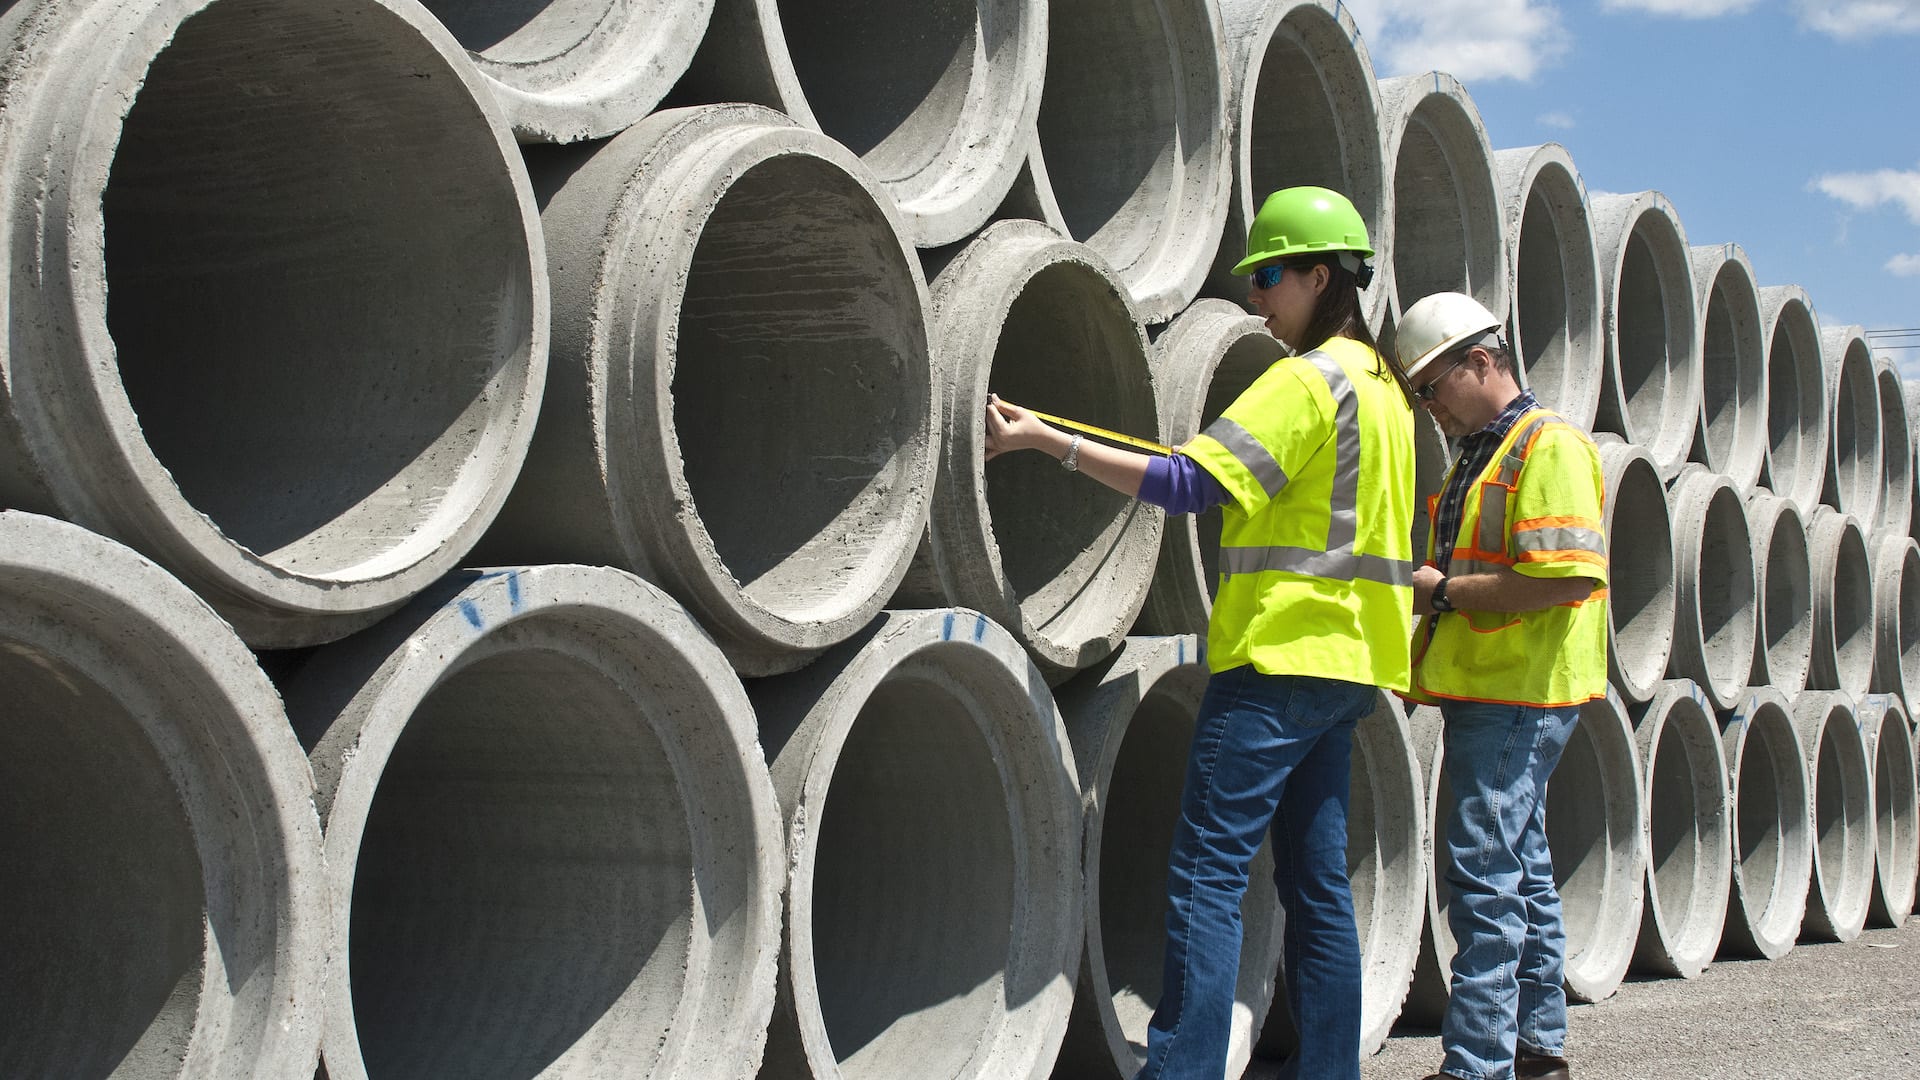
(1686, 9)
(1849, 19)
(1904, 266)
(1866, 190)
(1561, 120)
(1468, 39)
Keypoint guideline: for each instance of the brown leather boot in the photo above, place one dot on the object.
(1531, 1066)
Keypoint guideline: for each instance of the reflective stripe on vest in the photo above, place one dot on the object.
(1502, 476)
(1249, 453)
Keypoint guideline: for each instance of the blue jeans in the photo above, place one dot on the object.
(1268, 750)
(1506, 993)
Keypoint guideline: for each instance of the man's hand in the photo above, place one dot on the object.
(1424, 579)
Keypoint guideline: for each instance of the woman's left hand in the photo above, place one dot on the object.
(1010, 427)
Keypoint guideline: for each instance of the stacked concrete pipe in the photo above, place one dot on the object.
(742, 400)
(166, 910)
(1304, 108)
(1132, 156)
(565, 70)
(1594, 827)
(551, 838)
(1062, 562)
(1888, 739)
(1641, 596)
(1130, 719)
(1893, 514)
(1911, 391)
(1448, 232)
(1431, 985)
(1732, 434)
(345, 404)
(1206, 359)
(1689, 839)
(1840, 795)
(1431, 460)
(1715, 617)
(1553, 278)
(1772, 842)
(1844, 616)
(1783, 575)
(938, 100)
(1650, 393)
(934, 890)
(1797, 409)
(1853, 472)
(1896, 634)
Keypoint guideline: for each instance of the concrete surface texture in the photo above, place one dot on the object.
(1732, 437)
(1854, 475)
(1553, 278)
(1688, 834)
(1596, 817)
(1887, 736)
(1650, 393)
(1640, 586)
(1799, 401)
(1843, 607)
(1783, 647)
(1842, 806)
(1715, 621)
(1772, 832)
(1896, 600)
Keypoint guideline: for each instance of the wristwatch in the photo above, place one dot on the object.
(1071, 462)
(1438, 601)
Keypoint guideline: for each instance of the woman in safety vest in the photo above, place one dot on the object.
(1313, 468)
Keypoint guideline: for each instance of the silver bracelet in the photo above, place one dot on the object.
(1071, 462)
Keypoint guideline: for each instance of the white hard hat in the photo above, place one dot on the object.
(1437, 324)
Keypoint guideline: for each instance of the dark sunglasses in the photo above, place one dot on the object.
(1432, 389)
(1268, 276)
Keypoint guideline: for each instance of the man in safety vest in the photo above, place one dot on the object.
(1512, 640)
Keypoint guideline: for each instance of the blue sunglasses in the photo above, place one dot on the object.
(1268, 276)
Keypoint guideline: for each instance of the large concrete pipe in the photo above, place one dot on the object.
(1772, 832)
(1448, 232)
(1853, 472)
(1553, 278)
(1061, 561)
(1133, 155)
(1797, 410)
(1911, 391)
(1888, 739)
(1715, 620)
(565, 70)
(1896, 615)
(1840, 794)
(1130, 719)
(933, 857)
(1594, 828)
(165, 908)
(1431, 458)
(937, 99)
(1689, 839)
(1783, 581)
(1650, 392)
(551, 838)
(1732, 435)
(1844, 617)
(1430, 987)
(1206, 359)
(1640, 576)
(742, 400)
(328, 333)
(1304, 108)
(1894, 511)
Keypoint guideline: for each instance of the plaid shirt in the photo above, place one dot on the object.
(1476, 451)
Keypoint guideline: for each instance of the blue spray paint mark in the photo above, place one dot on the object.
(1183, 650)
(980, 630)
(473, 614)
(946, 629)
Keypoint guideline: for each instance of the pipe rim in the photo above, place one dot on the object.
(1733, 404)
(1783, 646)
(1555, 329)
(1644, 261)
(1715, 623)
(1890, 746)
(1797, 404)
(1686, 904)
(1642, 603)
(1434, 113)
(1600, 943)
(1853, 447)
(1771, 871)
(1838, 896)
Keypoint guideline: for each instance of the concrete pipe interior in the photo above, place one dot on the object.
(352, 265)
(1770, 836)
(1842, 825)
(522, 878)
(1897, 596)
(1896, 856)
(1555, 294)
(1893, 513)
(914, 880)
(1853, 465)
(798, 328)
(1687, 836)
(1641, 594)
(1785, 644)
(1385, 864)
(1722, 589)
(1446, 226)
(1644, 337)
(1732, 369)
(1843, 643)
(521, 31)
(1796, 397)
(1593, 827)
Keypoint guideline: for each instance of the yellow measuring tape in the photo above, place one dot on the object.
(1099, 432)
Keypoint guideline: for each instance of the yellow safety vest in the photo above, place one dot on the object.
(1316, 549)
(1537, 508)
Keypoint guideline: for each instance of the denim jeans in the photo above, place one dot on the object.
(1506, 991)
(1268, 751)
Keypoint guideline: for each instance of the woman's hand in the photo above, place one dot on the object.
(1010, 427)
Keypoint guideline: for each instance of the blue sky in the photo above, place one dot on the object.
(1791, 127)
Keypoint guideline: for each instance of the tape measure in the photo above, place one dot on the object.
(1098, 432)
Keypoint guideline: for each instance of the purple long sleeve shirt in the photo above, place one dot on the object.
(1179, 485)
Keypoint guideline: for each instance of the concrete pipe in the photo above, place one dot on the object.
(1772, 839)
(347, 400)
(165, 910)
(550, 836)
(1650, 392)
(1715, 616)
(1911, 391)
(1132, 143)
(1689, 839)
(1797, 409)
(1732, 433)
(1841, 797)
(938, 100)
(1783, 576)
(1594, 829)
(1448, 232)
(1853, 475)
(1888, 739)
(933, 857)
(1844, 616)
(1130, 719)
(1893, 514)
(565, 70)
(1896, 608)
(1641, 587)
(1553, 278)
(1206, 359)
(1304, 108)
(1431, 460)
(742, 401)
(1431, 985)
(1062, 562)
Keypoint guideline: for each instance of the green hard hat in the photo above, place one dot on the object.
(1303, 221)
